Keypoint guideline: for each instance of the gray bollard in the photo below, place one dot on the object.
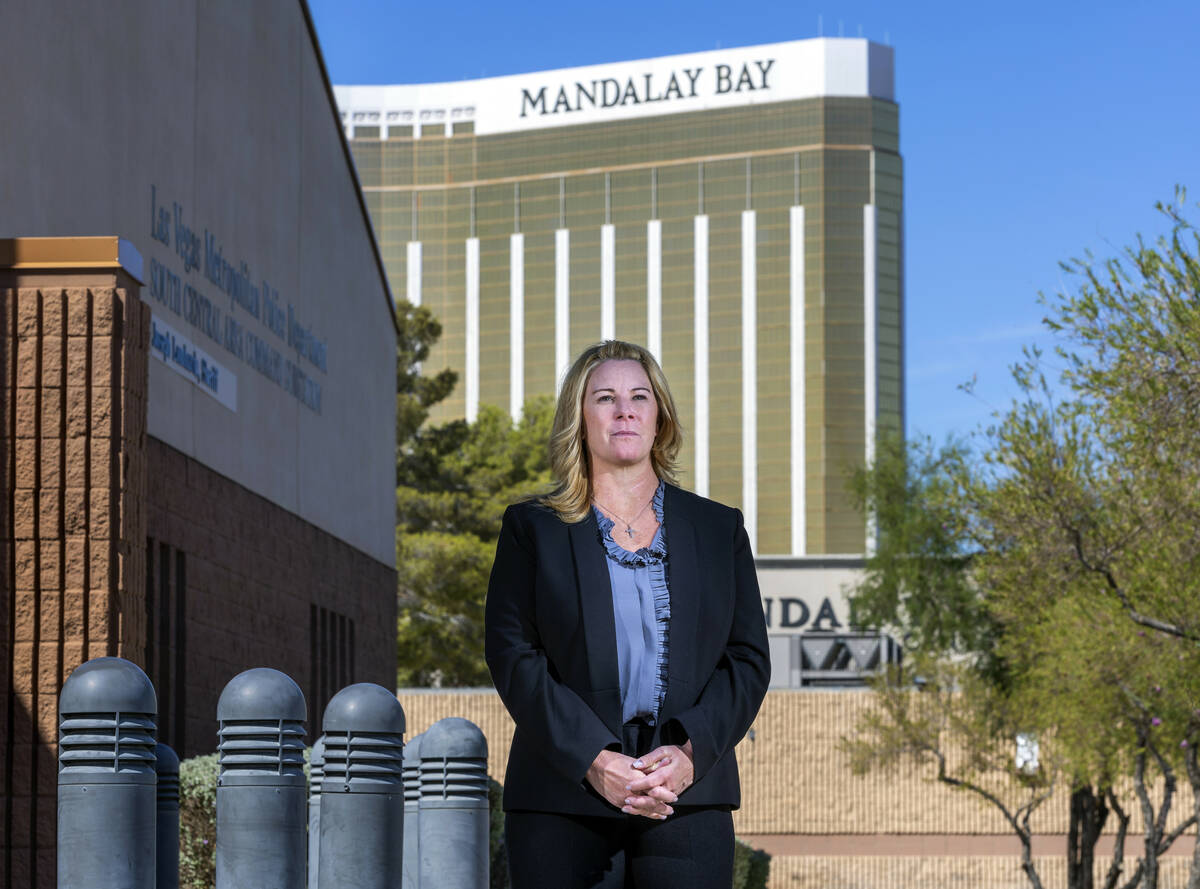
(106, 714)
(362, 792)
(454, 806)
(316, 771)
(166, 766)
(412, 793)
(261, 829)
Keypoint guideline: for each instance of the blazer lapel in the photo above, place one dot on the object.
(595, 606)
(684, 579)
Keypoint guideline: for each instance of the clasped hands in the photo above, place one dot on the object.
(647, 785)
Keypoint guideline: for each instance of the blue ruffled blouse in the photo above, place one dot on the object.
(642, 614)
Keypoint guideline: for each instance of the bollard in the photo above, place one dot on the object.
(316, 771)
(261, 830)
(454, 806)
(106, 779)
(166, 835)
(412, 793)
(362, 791)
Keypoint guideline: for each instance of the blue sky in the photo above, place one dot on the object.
(1030, 133)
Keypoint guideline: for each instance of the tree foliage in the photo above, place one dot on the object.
(453, 488)
(1070, 543)
(916, 583)
(453, 482)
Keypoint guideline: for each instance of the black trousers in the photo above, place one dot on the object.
(692, 849)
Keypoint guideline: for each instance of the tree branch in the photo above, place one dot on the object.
(1160, 823)
(1165, 843)
(1118, 857)
(1019, 820)
(1136, 616)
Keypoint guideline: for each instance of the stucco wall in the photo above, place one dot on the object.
(164, 123)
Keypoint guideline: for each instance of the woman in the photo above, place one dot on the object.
(625, 635)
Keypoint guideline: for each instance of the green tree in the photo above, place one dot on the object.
(964, 726)
(950, 707)
(916, 583)
(453, 482)
(1072, 542)
(416, 393)
(453, 486)
(1089, 515)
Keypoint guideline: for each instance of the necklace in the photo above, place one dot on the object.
(629, 524)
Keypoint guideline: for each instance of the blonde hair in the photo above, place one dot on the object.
(569, 463)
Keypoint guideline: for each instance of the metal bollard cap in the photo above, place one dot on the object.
(412, 751)
(454, 737)
(166, 767)
(108, 685)
(261, 693)
(364, 707)
(166, 762)
(316, 768)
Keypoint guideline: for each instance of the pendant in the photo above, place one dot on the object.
(629, 530)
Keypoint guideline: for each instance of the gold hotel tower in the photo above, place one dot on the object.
(738, 211)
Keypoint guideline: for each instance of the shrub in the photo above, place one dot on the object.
(198, 822)
(751, 867)
(497, 853)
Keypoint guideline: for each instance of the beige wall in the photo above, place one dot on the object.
(218, 111)
(796, 782)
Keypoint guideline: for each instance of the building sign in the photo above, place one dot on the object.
(647, 88)
(244, 315)
(793, 614)
(187, 359)
(799, 69)
(808, 595)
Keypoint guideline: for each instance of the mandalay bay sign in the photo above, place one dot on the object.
(776, 72)
(647, 87)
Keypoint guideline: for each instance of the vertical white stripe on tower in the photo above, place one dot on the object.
(700, 337)
(608, 282)
(654, 288)
(799, 414)
(472, 363)
(414, 273)
(516, 325)
(750, 378)
(562, 305)
(870, 371)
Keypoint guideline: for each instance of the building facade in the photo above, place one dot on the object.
(739, 211)
(197, 365)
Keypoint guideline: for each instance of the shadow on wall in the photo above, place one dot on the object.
(28, 780)
(30, 786)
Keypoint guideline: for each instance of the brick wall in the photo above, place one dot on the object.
(261, 588)
(72, 460)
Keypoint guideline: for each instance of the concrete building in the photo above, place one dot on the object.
(198, 343)
(738, 211)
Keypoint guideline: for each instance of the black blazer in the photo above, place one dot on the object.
(552, 651)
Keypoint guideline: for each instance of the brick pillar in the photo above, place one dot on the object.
(73, 362)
